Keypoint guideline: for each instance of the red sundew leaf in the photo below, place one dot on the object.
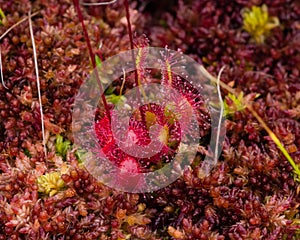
(189, 92)
(141, 42)
(103, 131)
(169, 61)
(129, 165)
(113, 153)
(138, 132)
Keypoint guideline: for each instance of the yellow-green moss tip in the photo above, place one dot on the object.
(2, 17)
(50, 183)
(236, 106)
(258, 23)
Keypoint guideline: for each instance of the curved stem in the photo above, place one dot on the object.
(16, 24)
(259, 119)
(1, 70)
(131, 39)
(221, 115)
(37, 82)
(98, 4)
(92, 55)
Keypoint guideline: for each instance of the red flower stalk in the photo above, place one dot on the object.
(92, 55)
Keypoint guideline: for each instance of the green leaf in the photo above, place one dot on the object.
(61, 146)
(98, 61)
(109, 90)
(27, 153)
(113, 98)
(80, 155)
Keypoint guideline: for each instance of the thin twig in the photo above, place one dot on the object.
(2, 36)
(97, 4)
(259, 119)
(123, 82)
(213, 79)
(100, 44)
(275, 139)
(1, 71)
(37, 81)
(221, 115)
(16, 24)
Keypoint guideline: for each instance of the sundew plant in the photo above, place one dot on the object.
(249, 56)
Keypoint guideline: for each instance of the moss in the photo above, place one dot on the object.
(236, 106)
(61, 146)
(50, 183)
(258, 23)
(2, 17)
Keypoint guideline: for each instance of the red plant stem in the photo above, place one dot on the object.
(128, 23)
(131, 38)
(92, 55)
(132, 47)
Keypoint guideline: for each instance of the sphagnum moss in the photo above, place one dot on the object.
(251, 193)
(50, 183)
(258, 23)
